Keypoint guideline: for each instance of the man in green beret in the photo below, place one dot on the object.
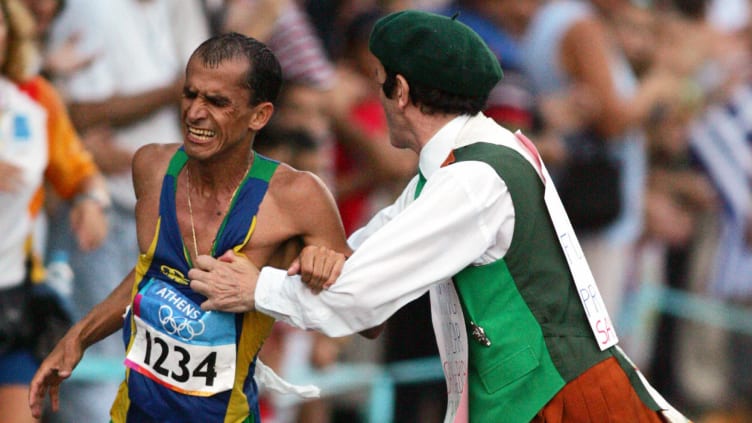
(522, 331)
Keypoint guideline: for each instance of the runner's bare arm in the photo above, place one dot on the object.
(320, 225)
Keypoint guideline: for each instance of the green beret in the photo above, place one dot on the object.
(436, 51)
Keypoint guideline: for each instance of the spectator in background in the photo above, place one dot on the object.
(636, 32)
(719, 138)
(568, 47)
(678, 200)
(65, 58)
(685, 358)
(45, 12)
(677, 191)
(125, 98)
(668, 225)
(369, 170)
(38, 145)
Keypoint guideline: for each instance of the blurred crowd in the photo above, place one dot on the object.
(642, 111)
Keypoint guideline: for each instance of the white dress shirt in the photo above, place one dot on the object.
(464, 216)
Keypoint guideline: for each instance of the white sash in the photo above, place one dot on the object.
(592, 302)
(451, 337)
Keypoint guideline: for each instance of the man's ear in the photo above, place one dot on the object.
(262, 112)
(402, 91)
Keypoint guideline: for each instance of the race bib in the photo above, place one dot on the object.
(180, 346)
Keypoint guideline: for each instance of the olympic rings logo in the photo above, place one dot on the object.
(183, 327)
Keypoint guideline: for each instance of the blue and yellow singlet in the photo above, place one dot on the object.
(184, 364)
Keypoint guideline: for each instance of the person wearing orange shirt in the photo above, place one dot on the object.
(38, 146)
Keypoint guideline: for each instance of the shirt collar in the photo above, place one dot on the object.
(437, 149)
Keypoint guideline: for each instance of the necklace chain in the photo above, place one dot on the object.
(190, 206)
(190, 210)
